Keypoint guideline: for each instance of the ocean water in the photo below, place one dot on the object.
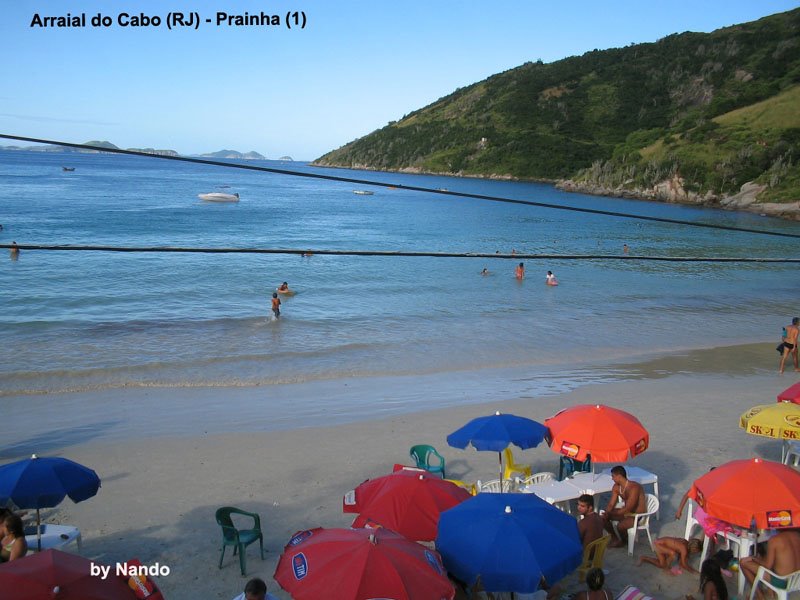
(74, 321)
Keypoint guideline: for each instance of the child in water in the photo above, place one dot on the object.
(276, 305)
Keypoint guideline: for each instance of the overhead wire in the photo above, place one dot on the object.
(394, 185)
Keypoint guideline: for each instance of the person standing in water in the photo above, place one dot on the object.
(519, 272)
(551, 279)
(276, 305)
(14, 252)
(790, 343)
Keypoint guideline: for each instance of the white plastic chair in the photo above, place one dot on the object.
(691, 522)
(641, 521)
(792, 582)
(494, 485)
(542, 477)
(792, 456)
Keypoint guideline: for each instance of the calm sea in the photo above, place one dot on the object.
(94, 320)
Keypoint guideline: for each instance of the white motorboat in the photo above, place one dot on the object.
(219, 197)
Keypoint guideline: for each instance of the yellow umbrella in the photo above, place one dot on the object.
(780, 421)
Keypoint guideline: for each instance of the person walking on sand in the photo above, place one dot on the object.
(790, 344)
(276, 305)
(519, 272)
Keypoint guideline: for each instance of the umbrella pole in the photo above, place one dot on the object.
(500, 459)
(38, 531)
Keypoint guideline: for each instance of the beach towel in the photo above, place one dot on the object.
(633, 593)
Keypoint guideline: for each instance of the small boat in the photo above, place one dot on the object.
(68, 169)
(363, 192)
(219, 197)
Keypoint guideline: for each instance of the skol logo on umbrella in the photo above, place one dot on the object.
(779, 518)
(299, 537)
(569, 449)
(640, 446)
(299, 566)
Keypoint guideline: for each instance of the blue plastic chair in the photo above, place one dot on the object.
(567, 466)
(422, 453)
(238, 538)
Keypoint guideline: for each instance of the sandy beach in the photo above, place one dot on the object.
(164, 474)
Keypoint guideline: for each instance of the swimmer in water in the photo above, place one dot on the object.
(519, 272)
(551, 279)
(485, 271)
(284, 288)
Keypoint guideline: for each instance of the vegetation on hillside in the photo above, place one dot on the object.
(716, 109)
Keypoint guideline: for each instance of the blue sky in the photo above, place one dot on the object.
(357, 65)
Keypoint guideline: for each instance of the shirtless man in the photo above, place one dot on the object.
(783, 557)
(668, 548)
(519, 272)
(790, 344)
(632, 495)
(590, 527)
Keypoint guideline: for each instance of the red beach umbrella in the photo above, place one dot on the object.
(607, 434)
(408, 502)
(360, 564)
(56, 575)
(790, 394)
(751, 491)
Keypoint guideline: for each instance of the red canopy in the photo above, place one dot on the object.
(790, 394)
(408, 502)
(607, 434)
(750, 491)
(53, 574)
(360, 564)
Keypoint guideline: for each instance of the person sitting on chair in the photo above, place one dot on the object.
(590, 527)
(783, 557)
(632, 498)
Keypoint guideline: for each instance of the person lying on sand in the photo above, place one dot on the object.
(668, 548)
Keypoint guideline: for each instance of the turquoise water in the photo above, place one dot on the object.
(91, 320)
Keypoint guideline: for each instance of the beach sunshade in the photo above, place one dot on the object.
(497, 432)
(63, 576)
(780, 421)
(44, 483)
(790, 394)
(508, 540)
(408, 502)
(360, 564)
(607, 434)
(752, 492)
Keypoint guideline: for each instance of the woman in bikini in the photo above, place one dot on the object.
(594, 581)
(712, 585)
(13, 544)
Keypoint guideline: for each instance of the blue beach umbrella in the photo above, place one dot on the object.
(508, 540)
(497, 432)
(44, 483)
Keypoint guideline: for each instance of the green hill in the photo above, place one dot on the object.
(715, 110)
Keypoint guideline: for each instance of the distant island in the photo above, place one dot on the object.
(252, 155)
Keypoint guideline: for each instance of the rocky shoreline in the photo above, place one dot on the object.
(672, 191)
